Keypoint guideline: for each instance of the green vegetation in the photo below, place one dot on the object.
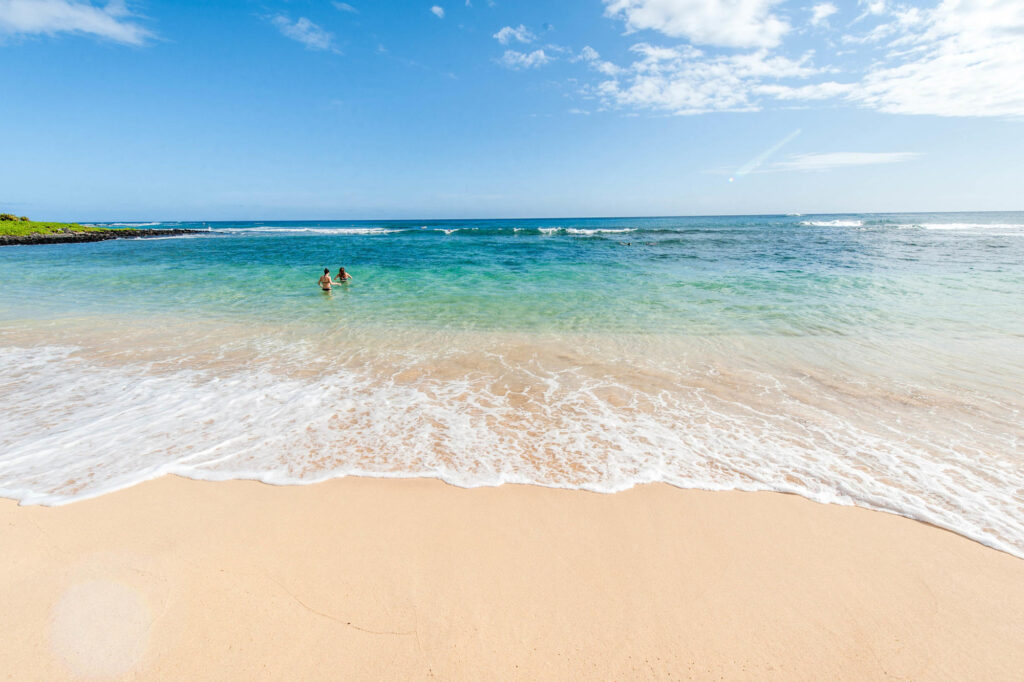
(21, 227)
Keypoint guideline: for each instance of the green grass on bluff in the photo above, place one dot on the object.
(23, 228)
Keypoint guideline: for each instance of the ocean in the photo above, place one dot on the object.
(862, 359)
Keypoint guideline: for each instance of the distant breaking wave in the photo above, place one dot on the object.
(122, 224)
(840, 222)
(343, 231)
(573, 230)
(585, 232)
(832, 223)
(961, 226)
(1007, 224)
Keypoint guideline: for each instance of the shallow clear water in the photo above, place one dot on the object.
(866, 359)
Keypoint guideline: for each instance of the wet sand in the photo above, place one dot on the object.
(416, 579)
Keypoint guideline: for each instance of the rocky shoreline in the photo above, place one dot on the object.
(91, 236)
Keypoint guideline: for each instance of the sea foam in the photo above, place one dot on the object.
(576, 230)
(832, 223)
(332, 231)
(962, 226)
(482, 415)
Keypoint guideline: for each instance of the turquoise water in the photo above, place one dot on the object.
(762, 275)
(858, 359)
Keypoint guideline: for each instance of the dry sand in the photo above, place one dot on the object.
(415, 579)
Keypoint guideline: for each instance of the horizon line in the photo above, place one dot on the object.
(564, 217)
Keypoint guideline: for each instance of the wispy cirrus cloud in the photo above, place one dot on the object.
(112, 21)
(830, 160)
(437, 11)
(812, 161)
(345, 7)
(304, 31)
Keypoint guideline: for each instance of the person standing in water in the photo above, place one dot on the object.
(342, 275)
(325, 281)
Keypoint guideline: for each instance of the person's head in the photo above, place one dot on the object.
(341, 271)
(327, 271)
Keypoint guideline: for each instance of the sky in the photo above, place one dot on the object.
(376, 109)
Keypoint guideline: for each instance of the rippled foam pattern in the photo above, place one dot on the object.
(874, 360)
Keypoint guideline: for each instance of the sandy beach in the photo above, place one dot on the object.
(416, 579)
(610, 340)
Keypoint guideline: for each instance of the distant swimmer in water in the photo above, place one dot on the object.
(342, 275)
(325, 281)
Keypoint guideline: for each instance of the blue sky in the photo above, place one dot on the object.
(307, 109)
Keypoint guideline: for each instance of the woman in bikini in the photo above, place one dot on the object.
(325, 281)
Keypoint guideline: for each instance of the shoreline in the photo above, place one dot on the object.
(94, 235)
(414, 578)
(36, 501)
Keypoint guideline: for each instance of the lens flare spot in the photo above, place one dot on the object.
(99, 628)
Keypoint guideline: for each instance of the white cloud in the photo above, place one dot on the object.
(830, 160)
(438, 11)
(821, 12)
(345, 7)
(49, 17)
(959, 58)
(520, 33)
(813, 91)
(592, 57)
(871, 7)
(728, 23)
(683, 80)
(304, 31)
(519, 60)
(963, 58)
